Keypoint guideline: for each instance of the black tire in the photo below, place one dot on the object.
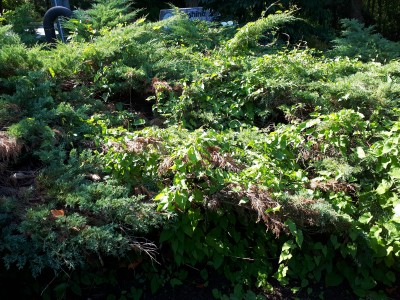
(50, 17)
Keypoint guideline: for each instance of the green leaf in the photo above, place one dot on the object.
(365, 218)
(273, 209)
(198, 195)
(217, 260)
(76, 289)
(317, 259)
(383, 187)
(285, 253)
(395, 173)
(387, 148)
(216, 293)
(160, 196)
(298, 234)
(333, 279)
(60, 289)
(244, 201)
(139, 122)
(391, 277)
(175, 281)
(334, 241)
(166, 235)
(204, 274)
(360, 153)
(136, 294)
(193, 155)
(155, 284)
(52, 73)
(304, 282)
(366, 283)
(181, 200)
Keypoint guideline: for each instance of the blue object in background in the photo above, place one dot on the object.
(64, 3)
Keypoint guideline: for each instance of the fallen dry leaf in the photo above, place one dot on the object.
(134, 264)
(57, 213)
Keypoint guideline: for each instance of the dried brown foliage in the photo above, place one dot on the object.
(159, 86)
(137, 145)
(69, 85)
(167, 163)
(259, 203)
(333, 186)
(141, 190)
(213, 157)
(9, 147)
(226, 161)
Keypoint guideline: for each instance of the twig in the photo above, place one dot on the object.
(47, 286)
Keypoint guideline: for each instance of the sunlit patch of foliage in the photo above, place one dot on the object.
(169, 144)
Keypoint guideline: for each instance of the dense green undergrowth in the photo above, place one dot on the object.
(172, 144)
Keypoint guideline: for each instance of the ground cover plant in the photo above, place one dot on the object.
(144, 155)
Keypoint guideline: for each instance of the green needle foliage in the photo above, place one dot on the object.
(247, 37)
(153, 146)
(358, 41)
